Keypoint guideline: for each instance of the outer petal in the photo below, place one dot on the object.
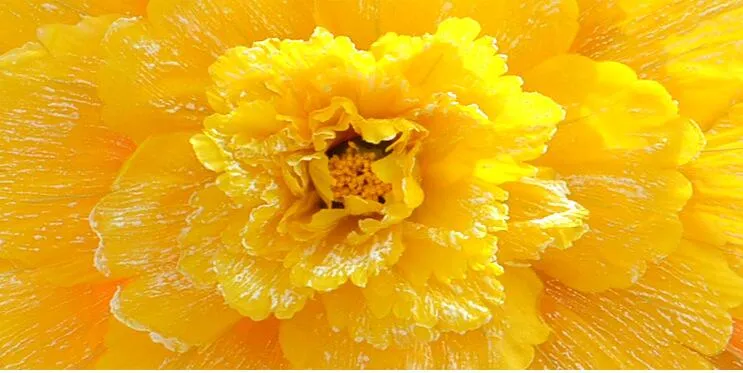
(174, 312)
(246, 345)
(715, 212)
(20, 18)
(696, 53)
(528, 32)
(617, 150)
(140, 221)
(57, 157)
(678, 308)
(156, 71)
(43, 326)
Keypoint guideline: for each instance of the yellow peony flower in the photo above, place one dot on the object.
(459, 184)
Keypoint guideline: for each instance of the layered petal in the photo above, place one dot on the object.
(527, 32)
(172, 310)
(678, 312)
(506, 342)
(44, 326)
(22, 18)
(696, 53)
(631, 141)
(58, 158)
(156, 70)
(715, 212)
(140, 222)
(246, 345)
(541, 215)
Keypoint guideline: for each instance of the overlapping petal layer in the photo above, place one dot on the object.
(631, 141)
(58, 158)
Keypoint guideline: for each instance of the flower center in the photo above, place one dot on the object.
(352, 175)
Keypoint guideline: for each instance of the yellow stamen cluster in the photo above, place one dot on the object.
(352, 176)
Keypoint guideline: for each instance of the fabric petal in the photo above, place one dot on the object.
(172, 310)
(58, 159)
(43, 326)
(674, 315)
(140, 222)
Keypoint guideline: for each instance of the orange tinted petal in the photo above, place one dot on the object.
(43, 326)
(58, 159)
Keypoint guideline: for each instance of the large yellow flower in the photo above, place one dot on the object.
(371, 184)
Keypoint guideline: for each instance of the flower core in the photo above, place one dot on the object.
(352, 174)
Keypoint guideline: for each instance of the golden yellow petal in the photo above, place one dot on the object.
(20, 18)
(55, 151)
(617, 150)
(528, 32)
(541, 215)
(141, 220)
(695, 53)
(678, 308)
(126, 348)
(258, 287)
(174, 312)
(714, 212)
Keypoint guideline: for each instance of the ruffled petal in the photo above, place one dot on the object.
(57, 157)
(678, 312)
(452, 231)
(212, 214)
(258, 287)
(44, 326)
(715, 212)
(696, 52)
(329, 264)
(141, 221)
(172, 310)
(393, 312)
(506, 343)
(631, 140)
(20, 18)
(541, 215)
